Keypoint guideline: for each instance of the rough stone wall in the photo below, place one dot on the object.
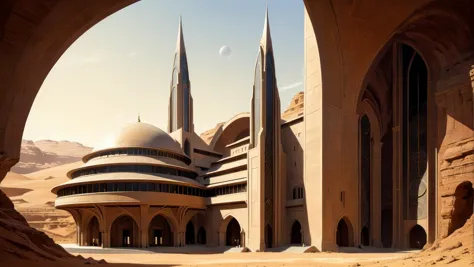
(19, 240)
(456, 150)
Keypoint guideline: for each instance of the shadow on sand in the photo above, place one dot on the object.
(190, 249)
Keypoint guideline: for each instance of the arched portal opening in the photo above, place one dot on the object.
(463, 206)
(190, 238)
(124, 232)
(268, 236)
(94, 237)
(344, 233)
(233, 233)
(417, 237)
(364, 237)
(365, 173)
(201, 236)
(296, 233)
(159, 232)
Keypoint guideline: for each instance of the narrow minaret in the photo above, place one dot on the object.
(181, 101)
(266, 153)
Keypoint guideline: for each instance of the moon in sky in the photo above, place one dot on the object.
(225, 51)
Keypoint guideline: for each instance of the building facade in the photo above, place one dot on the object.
(261, 182)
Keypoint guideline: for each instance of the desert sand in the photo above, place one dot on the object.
(32, 197)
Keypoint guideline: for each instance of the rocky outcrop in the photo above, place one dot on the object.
(43, 154)
(296, 107)
(455, 186)
(19, 240)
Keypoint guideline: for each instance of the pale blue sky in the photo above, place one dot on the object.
(122, 66)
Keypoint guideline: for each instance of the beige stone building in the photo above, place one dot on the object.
(149, 187)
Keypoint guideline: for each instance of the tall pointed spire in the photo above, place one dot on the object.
(266, 40)
(139, 118)
(180, 49)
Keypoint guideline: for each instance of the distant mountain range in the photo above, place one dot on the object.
(43, 154)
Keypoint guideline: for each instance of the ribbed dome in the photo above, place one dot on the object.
(141, 134)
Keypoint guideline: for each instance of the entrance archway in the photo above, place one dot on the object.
(296, 233)
(268, 236)
(233, 233)
(417, 237)
(159, 232)
(124, 232)
(344, 233)
(463, 205)
(190, 239)
(201, 236)
(94, 237)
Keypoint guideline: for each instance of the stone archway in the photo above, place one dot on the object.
(344, 233)
(417, 237)
(463, 206)
(232, 233)
(295, 236)
(159, 232)
(124, 232)
(94, 236)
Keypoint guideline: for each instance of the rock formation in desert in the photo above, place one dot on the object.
(45, 154)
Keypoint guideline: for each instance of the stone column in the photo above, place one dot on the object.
(144, 226)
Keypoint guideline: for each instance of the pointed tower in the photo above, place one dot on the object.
(265, 157)
(181, 101)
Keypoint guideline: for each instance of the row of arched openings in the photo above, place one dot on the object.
(345, 237)
(124, 232)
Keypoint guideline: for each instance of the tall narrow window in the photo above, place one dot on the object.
(415, 100)
(365, 173)
(256, 98)
(269, 138)
(186, 95)
(187, 148)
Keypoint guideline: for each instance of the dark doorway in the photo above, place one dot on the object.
(364, 237)
(201, 236)
(296, 233)
(342, 234)
(268, 236)
(94, 237)
(126, 238)
(157, 238)
(387, 228)
(233, 233)
(190, 233)
(124, 232)
(417, 237)
(463, 205)
(159, 232)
